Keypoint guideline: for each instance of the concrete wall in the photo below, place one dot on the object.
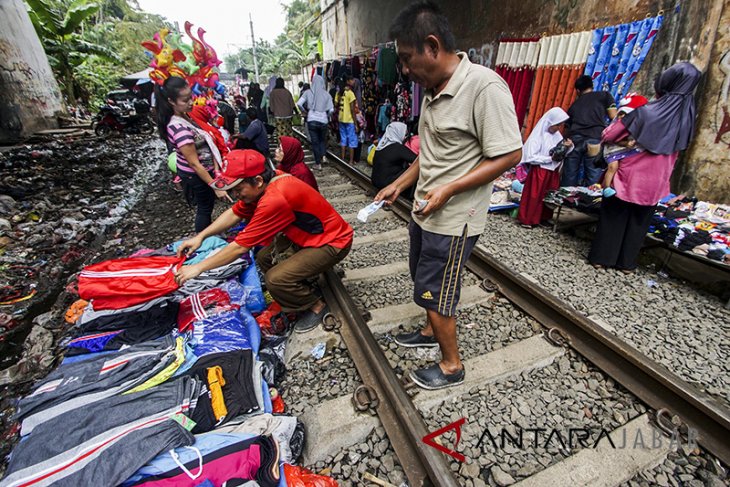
(706, 168)
(29, 95)
(352, 26)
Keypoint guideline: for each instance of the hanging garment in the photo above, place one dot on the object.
(356, 67)
(119, 283)
(109, 439)
(77, 384)
(217, 458)
(384, 116)
(369, 94)
(403, 102)
(617, 52)
(203, 305)
(386, 66)
(560, 60)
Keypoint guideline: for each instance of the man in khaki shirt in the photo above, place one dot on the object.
(469, 136)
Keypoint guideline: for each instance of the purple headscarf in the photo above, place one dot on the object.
(666, 125)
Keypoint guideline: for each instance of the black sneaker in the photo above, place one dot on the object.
(415, 339)
(310, 320)
(433, 378)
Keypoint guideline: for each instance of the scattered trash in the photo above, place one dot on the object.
(318, 350)
(652, 283)
(375, 480)
(277, 403)
(663, 274)
(365, 213)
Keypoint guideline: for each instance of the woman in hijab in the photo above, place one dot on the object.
(290, 158)
(265, 105)
(391, 157)
(317, 106)
(661, 128)
(544, 169)
(281, 104)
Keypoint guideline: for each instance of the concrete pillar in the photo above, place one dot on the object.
(30, 99)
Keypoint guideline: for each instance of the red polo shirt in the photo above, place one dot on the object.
(293, 207)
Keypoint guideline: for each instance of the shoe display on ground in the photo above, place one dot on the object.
(310, 320)
(415, 339)
(433, 378)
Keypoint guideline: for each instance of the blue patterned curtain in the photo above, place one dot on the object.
(617, 53)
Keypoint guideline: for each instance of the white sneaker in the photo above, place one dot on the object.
(318, 167)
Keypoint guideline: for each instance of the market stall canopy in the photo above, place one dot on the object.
(137, 78)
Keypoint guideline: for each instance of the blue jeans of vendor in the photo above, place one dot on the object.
(578, 168)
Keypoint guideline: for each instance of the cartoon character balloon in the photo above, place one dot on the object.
(196, 62)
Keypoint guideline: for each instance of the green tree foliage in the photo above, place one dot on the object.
(292, 49)
(91, 44)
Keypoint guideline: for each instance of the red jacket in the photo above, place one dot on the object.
(121, 283)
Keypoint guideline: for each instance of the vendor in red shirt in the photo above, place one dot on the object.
(274, 202)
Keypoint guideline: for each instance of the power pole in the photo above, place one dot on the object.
(253, 39)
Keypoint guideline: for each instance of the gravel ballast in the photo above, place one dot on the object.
(682, 328)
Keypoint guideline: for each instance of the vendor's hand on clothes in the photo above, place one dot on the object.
(189, 246)
(568, 143)
(223, 195)
(436, 198)
(187, 272)
(389, 193)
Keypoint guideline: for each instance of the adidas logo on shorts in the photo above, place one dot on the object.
(427, 295)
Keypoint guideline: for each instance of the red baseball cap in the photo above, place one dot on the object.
(239, 164)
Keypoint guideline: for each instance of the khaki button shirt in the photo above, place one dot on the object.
(473, 118)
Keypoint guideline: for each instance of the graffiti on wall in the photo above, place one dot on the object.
(482, 55)
(722, 117)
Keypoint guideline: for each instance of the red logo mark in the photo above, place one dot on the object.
(456, 425)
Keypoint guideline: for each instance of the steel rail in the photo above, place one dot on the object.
(648, 380)
(423, 465)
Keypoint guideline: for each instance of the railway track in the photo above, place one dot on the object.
(536, 370)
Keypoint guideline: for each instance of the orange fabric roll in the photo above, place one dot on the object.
(534, 97)
(565, 74)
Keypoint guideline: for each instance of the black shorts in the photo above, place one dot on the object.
(436, 263)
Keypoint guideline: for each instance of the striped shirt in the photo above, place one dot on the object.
(181, 135)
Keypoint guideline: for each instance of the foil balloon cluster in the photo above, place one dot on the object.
(197, 63)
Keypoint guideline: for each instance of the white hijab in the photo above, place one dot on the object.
(395, 133)
(538, 144)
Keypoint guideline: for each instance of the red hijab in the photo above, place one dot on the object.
(201, 117)
(293, 161)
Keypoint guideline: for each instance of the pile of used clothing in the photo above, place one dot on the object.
(693, 226)
(162, 384)
(506, 192)
(585, 199)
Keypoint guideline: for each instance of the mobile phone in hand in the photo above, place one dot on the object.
(419, 205)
